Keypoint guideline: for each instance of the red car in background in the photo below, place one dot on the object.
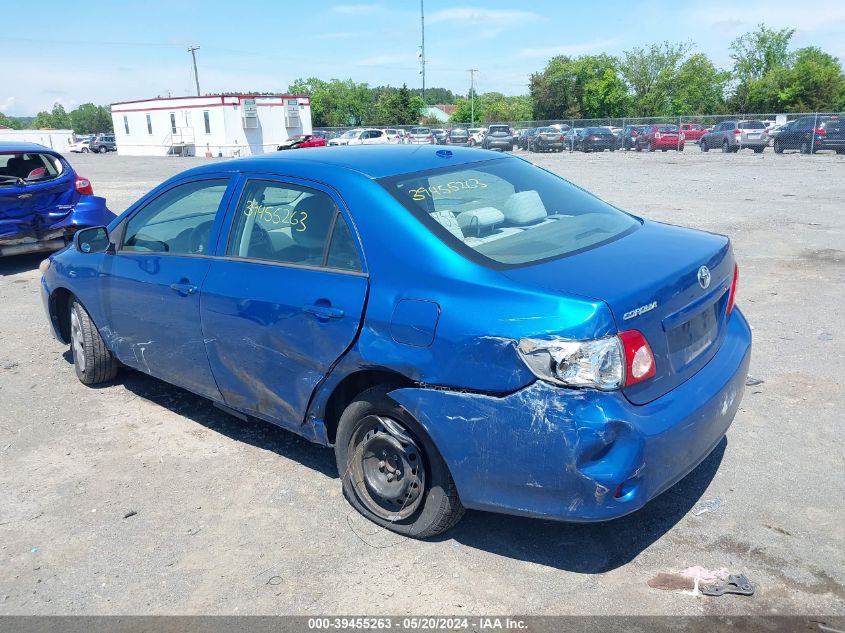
(693, 131)
(663, 137)
(301, 141)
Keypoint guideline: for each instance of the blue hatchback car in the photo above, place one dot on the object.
(468, 330)
(43, 200)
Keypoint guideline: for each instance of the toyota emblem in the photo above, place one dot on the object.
(704, 277)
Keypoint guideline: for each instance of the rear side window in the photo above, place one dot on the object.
(287, 223)
(32, 167)
(178, 222)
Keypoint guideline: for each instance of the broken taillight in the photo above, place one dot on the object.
(83, 186)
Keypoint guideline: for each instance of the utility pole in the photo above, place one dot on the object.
(422, 48)
(193, 51)
(472, 72)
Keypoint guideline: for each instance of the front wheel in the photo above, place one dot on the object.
(93, 362)
(102, 149)
(84, 150)
(805, 148)
(391, 471)
(471, 142)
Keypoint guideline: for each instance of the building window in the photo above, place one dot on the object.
(173, 122)
(207, 121)
(126, 124)
(149, 125)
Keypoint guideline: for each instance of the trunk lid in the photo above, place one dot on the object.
(649, 279)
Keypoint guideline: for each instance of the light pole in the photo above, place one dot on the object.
(472, 72)
(422, 48)
(193, 51)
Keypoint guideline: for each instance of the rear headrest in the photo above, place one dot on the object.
(319, 210)
(524, 207)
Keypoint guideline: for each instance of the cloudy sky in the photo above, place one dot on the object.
(103, 51)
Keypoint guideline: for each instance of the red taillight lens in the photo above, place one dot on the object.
(820, 130)
(737, 131)
(732, 296)
(83, 186)
(639, 359)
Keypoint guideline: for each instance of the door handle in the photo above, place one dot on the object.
(323, 311)
(183, 288)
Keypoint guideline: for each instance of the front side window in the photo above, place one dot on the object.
(508, 212)
(177, 222)
(286, 223)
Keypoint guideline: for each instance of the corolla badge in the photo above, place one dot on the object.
(638, 311)
(704, 277)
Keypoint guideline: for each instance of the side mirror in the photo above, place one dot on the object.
(93, 240)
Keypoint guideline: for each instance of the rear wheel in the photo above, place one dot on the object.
(726, 149)
(778, 147)
(84, 150)
(805, 147)
(391, 471)
(102, 149)
(703, 145)
(93, 362)
(649, 147)
(759, 150)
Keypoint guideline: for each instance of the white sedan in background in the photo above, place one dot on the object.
(361, 137)
(81, 146)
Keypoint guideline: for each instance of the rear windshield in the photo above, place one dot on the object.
(752, 125)
(544, 130)
(508, 212)
(420, 130)
(668, 128)
(598, 130)
(495, 129)
(30, 167)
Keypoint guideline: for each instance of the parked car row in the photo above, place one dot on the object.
(97, 143)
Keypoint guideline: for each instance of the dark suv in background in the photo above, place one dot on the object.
(811, 134)
(458, 136)
(102, 143)
(498, 137)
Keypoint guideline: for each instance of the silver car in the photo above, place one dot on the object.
(421, 136)
(732, 136)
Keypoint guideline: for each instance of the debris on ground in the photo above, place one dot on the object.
(708, 505)
(751, 381)
(131, 513)
(698, 581)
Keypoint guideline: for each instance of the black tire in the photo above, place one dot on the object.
(103, 149)
(471, 142)
(649, 147)
(805, 148)
(638, 147)
(377, 438)
(703, 146)
(777, 147)
(726, 149)
(681, 148)
(759, 150)
(93, 362)
(85, 150)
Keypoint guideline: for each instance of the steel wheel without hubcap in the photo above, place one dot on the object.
(77, 341)
(387, 468)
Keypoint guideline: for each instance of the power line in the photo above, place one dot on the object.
(193, 51)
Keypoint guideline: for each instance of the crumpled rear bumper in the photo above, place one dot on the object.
(581, 455)
(51, 231)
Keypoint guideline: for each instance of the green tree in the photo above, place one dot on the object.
(650, 74)
(758, 52)
(600, 91)
(91, 119)
(817, 82)
(699, 87)
(9, 122)
(57, 119)
(553, 90)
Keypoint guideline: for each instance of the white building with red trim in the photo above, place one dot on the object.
(212, 125)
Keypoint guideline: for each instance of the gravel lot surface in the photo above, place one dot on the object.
(245, 518)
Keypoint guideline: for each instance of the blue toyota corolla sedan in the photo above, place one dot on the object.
(468, 330)
(43, 200)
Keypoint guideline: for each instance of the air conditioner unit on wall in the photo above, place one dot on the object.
(250, 114)
(292, 113)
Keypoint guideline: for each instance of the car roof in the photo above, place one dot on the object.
(373, 161)
(24, 146)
